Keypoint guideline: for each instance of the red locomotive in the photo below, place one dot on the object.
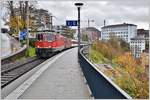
(49, 42)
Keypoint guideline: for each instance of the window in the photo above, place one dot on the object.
(50, 37)
(39, 37)
(45, 37)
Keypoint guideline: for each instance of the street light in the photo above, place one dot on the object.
(78, 8)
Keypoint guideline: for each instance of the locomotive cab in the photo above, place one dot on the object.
(48, 43)
(43, 44)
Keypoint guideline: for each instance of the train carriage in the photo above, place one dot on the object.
(48, 43)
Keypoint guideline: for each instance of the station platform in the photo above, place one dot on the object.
(63, 79)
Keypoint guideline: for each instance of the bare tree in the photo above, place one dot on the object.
(23, 11)
(18, 14)
(11, 7)
(12, 14)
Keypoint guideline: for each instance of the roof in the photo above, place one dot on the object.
(138, 38)
(116, 25)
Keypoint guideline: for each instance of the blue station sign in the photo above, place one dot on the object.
(71, 22)
(22, 34)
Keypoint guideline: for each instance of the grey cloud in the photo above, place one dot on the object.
(131, 3)
(135, 11)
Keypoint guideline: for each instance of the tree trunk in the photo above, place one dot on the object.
(12, 15)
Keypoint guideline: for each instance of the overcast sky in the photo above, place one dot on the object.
(113, 11)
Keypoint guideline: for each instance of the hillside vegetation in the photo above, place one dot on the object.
(127, 72)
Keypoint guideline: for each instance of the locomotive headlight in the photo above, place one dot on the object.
(49, 46)
(38, 46)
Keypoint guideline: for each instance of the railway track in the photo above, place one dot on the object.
(12, 71)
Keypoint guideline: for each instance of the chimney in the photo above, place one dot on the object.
(104, 22)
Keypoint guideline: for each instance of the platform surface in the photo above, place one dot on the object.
(62, 80)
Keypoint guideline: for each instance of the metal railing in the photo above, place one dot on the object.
(100, 85)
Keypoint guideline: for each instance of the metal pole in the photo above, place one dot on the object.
(88, 23)
(79, 29)
(27, 27)
(51, 19)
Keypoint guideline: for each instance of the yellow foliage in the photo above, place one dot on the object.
(129, 73)
(109, 73)
(127, 61)
(133, 77)
(144, 59)
(18, 22)
(105, 49)
(13, 22)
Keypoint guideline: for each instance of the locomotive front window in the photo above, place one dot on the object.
(45, 37)
(50, 37)
(39, 37)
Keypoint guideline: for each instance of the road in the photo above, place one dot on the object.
(62, 80)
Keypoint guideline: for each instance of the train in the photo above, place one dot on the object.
(50, 42)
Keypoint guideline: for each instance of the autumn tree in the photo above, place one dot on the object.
(18, 13)
(13, 20)
(106, 48)
(114, 41)
(68, 32)
(133, 79)
(124, 45)
(129, 73)
(84, 37)
(23, 12)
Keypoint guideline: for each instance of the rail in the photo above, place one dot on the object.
(11, 74)
(100, 85)
(13, 56)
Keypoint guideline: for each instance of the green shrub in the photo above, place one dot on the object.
(96, 57)
(31, 42)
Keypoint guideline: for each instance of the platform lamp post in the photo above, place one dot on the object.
(78, 8)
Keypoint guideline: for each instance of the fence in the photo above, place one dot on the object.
(100, 85)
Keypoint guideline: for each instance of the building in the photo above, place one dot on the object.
(42, 19)
(128, 32)
(137, 45)
(64, 30)
(60, 28)
(92, 33)
(124, 31)
(142, 32)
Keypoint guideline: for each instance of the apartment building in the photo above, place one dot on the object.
(124, 31)
(137, 45)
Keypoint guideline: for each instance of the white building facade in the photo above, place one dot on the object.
(123, 31)
(137, 45)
